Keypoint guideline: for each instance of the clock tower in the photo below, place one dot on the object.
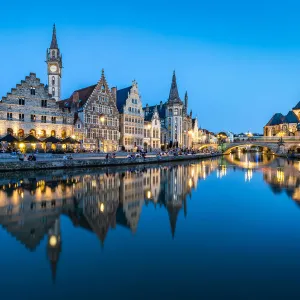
(54, 67)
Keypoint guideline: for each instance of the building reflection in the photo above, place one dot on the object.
(31, 206)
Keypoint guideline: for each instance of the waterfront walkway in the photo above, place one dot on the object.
(88, 160)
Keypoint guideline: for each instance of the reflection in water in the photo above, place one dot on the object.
(281, 175)
(31, 206)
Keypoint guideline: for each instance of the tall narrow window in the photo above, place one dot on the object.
(53, 53)
(53, 80)
(21, 101)
(32, 117)
(44, 103)
(43, 119)
(21, 117)
(53, 120)
(32, 90)
(9, 116)
(53, 92)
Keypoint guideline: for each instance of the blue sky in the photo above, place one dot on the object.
(239, 62)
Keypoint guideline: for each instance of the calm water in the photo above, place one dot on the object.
(216, 229)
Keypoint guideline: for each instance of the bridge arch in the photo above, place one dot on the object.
(207, 146)
(266, 147)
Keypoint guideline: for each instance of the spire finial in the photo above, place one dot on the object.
(102, 73)
(186, 98)
(54, 39)
(174, 96)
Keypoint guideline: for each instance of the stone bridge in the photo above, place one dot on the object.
(276, 146)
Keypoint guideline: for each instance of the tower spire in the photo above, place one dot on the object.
(186, 98)
(54, 44)
(174, 96)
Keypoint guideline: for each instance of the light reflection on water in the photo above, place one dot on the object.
(206, 224)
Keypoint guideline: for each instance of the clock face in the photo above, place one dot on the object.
(53, 68)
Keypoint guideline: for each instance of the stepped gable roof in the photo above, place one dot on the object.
(85, 93)
(122, 96)
(30, 80)
(277, 119)
(290, 118)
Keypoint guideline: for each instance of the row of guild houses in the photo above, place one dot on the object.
(100, 117)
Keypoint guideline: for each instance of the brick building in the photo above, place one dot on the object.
(29, 109)
(32, 108)
(97, 116)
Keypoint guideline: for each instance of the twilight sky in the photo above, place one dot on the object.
(239, 62)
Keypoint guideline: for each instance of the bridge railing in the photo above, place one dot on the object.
(267, 139)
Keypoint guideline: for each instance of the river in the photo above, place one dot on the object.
(224, 228)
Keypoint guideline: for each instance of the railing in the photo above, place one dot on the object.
(267, 139)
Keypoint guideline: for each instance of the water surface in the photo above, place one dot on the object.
(225, 228)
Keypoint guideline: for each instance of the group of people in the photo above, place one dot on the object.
(25, 157)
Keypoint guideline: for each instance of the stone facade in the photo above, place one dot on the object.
(152, 127)
(176, 124)
(54, 65)
(280, 125)
(29, 109)
(131, 117)
(97, 113)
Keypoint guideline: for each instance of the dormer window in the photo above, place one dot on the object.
(32, 90)
(103, 88)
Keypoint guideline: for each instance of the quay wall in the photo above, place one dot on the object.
(90, 163)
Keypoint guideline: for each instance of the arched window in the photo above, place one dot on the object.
(53, 133)
(32, 132)
(176, 112)
(20, 133)
(63, 134)
(10, 131)
(53, 92)
(43, 133)
(53, 80)
(273, 131)
(53, 53)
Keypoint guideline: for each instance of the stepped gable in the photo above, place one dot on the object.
(24, 86)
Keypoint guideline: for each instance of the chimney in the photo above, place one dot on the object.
(114, 92)
(75, 97)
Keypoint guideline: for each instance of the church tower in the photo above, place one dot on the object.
(174, 115)
(54, 67)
